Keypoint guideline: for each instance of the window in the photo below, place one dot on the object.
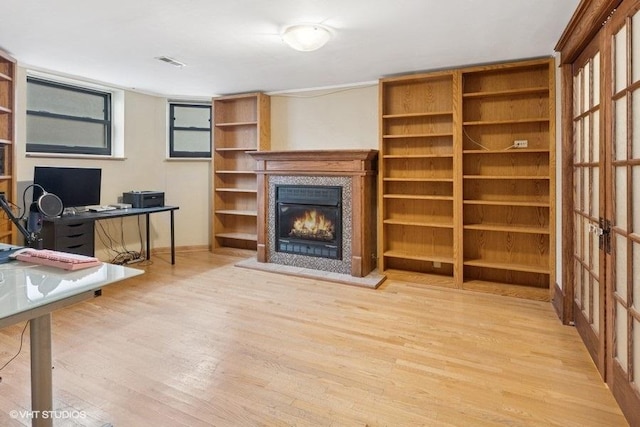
(67, 119)
(189, 130)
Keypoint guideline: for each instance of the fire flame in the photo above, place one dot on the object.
(313, 224)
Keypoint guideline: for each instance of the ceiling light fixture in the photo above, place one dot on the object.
(306, 37)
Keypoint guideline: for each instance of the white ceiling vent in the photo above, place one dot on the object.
(171, 61)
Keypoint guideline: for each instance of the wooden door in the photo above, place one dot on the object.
(623, 209)
(588, 279)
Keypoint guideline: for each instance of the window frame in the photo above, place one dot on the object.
(107, 121)
(178, 154)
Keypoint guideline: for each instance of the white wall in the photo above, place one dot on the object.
(327, 119)
(330, 119)
(185, 183)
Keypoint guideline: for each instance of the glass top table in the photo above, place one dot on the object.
(32, 292)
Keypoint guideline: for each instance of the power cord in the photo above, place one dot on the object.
(120, 256)
(19, 349)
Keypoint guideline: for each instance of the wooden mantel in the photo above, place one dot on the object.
(360, 165)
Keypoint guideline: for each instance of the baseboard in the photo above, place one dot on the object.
(166, 250)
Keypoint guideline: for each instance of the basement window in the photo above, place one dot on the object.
(189, 130)
(64, 118)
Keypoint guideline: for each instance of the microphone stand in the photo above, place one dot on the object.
(33, 240)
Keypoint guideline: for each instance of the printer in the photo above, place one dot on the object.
(144, 199)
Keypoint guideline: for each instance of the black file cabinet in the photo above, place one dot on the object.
(76, 237)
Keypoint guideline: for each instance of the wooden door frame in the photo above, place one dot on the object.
(587, 21)
(582, 28)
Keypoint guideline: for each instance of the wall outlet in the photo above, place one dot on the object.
(520, 143)
(436, 264)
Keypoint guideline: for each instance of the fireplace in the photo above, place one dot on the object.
(348, 180)
(309, 220)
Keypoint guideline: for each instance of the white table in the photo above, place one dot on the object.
(32, 292)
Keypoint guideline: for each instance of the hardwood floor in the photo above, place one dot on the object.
(205, 343)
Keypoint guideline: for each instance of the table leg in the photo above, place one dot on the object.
(41, 383)
(148, 245)
(173, 245)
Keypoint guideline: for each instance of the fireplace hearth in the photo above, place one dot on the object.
(309, 220)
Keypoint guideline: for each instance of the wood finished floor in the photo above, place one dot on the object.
(204, 343)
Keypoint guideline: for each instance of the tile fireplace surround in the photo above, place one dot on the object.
(353, 170)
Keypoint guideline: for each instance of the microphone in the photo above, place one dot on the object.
(34, 221)
(47, 205)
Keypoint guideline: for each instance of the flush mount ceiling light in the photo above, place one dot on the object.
(306, 37)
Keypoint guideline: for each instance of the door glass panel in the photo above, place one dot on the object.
(596, 253)
(577, 143)
(576, 93)
(635, 46)
(621, 336)
(636, 276)
(586, 185)
(577, 175)
(595, 194)
(635, 122)
(586, 88)
(596, 79)
(621, 267)
(636, 352)
(621, 128)
(595, 292)
(577, 277)
(586, 240)
(635, 202)
(586, 134)
(621, 197)
(620, 64)
(587, 296)
(595, 144)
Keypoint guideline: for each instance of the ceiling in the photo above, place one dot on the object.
(234, 46)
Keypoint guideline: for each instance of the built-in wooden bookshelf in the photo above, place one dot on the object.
(241, 124)
(458, 196)
(416, 182)
(7, 134)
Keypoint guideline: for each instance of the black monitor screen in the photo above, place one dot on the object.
(75, 186)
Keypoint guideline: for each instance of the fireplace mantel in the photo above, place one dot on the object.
(359, 165)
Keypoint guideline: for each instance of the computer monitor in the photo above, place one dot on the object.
(76, 187)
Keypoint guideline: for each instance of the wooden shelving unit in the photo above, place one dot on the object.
(509, 192)
(241, 124)
(416, 174)
(457, 197)
(7, 134)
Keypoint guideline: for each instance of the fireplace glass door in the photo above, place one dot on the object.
(309, 220)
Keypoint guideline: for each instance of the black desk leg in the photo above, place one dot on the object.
(148, 245)
(173, 245)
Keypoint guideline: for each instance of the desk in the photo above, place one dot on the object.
(33, 292)
(75, 233)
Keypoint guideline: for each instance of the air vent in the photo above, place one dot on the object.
(171, 61)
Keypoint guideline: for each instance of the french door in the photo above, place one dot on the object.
(623, 205)
(589, 228)
(604, 224)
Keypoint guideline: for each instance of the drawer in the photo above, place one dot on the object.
(75, 240)
(74, 229)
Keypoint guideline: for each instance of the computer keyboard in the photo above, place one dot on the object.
(63, 260)
(101, 208)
